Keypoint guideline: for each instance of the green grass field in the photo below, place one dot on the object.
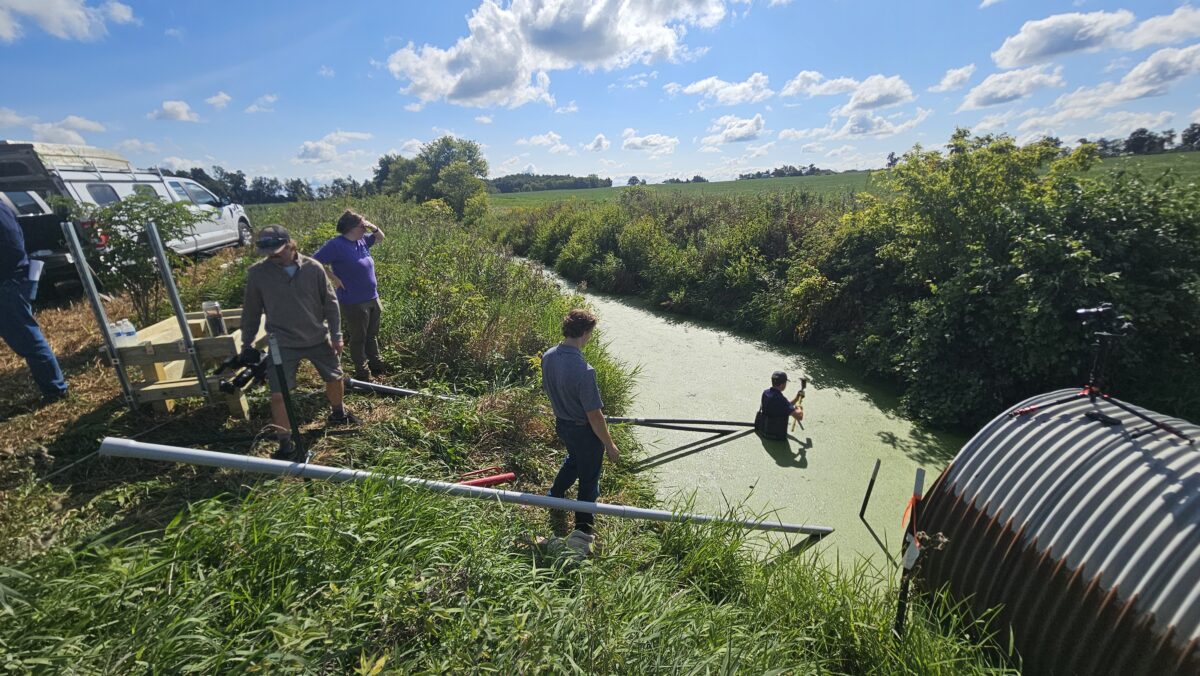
(1186, 165)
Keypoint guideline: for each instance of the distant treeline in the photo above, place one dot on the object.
(1145, 142)
(537, 182)
(786, 171)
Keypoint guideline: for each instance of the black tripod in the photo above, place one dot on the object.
(1118, 326)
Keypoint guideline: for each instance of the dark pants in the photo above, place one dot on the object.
(362, 331)
(585, 455)
(20, 330)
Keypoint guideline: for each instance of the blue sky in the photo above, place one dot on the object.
(655, 89)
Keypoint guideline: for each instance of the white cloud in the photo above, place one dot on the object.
(954, 79)
(988, 3)
(414, 107)
(812, 148)
(411, 147)
(510, 50)
(759, 151)
(219, 100)
(778, 3)
(653, 144)
(64, 19)
(176, 33)
(865, 124)
(550, 139)
(1011, 85)
(263, 104)
(812, 83)
(179, 164)
(133, 145)
(878, 91)
(1121, 123)
(65, 130)
(179, 111)
(799, 134)
(840, 151)
(483, 119)
(325, 71)
(1196, 115)
(1060, 34)
(998, 121)
(567, 109)
(637, 80)
(598, 144)
(1182, 24)
(753, 90)
(1152, 77)
(325, 150)
(10, 118)
(734, 129)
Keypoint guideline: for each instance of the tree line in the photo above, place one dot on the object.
(538, 182)
(449, 169)
(1142, 141)
(785, 171)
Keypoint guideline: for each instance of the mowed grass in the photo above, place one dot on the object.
(1184, 165)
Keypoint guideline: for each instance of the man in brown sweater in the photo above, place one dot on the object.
(303, 313)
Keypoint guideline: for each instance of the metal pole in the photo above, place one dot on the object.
(164, 269)
(685, 421)
(364, 386)
(89, 286)
(281, 376)
(127, 448)
(911, 553)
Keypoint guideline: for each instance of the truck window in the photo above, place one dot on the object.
(201, 196)
(177, 188)
(147, 190)
(14, 168)
(102, 193)
(24, 204)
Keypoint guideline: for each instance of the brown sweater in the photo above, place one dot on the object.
(302, 310)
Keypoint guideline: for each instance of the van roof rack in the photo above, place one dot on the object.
(66, 157)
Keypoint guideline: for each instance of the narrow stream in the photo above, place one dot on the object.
(692, 369)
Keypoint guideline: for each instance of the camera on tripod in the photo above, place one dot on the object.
(1104, 316)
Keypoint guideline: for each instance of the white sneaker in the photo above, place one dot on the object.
(581, 543)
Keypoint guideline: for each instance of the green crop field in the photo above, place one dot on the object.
(1186, 165)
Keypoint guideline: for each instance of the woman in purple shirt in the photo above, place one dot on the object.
(348, 256)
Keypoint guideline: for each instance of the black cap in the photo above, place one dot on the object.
(778, 377)
(271, 240)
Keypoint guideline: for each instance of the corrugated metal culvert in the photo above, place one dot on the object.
(1086, 535)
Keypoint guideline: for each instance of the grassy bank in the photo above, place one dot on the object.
(958, 281)
(120, 566)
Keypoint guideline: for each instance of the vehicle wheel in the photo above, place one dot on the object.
(244, 234)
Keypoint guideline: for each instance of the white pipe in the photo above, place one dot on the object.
(127, 448)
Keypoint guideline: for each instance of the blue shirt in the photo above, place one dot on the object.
(14, 264)
(570, 382)
(351, 263)
(775, 405)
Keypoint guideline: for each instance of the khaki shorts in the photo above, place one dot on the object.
(320, 355)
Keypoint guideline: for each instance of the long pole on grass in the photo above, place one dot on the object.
(127, 448)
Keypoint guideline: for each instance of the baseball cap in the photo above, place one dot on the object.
(778, 377)
(271, 240)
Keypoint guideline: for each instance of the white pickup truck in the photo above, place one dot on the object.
(32, 172)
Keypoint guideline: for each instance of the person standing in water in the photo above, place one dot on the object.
(775, 409)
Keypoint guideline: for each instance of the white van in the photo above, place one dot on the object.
(95, 176)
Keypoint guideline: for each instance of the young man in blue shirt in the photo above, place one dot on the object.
(570, 383)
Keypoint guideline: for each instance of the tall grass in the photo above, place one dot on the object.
(287, 575)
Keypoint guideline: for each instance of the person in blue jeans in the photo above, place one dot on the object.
(570, 383)
(18, 328)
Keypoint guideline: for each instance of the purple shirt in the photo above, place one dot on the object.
(352, 263)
